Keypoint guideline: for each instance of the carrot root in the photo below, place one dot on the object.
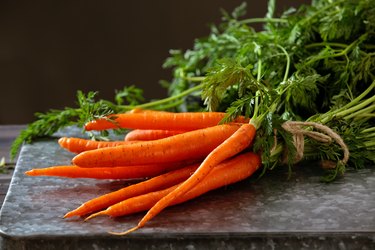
(78, 145)
(119, 172)
(195, 144)
(126, 232)
(92, 215)
(160, 120)
(150, 134)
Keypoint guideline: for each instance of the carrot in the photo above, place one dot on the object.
(159, 120)
(157, 183)
(236, 143)
(226, 173)
(120, 172)
(78, 145)
(150, 134)
(139, 110)
(191, 145)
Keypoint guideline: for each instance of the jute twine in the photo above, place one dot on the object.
(325, 135)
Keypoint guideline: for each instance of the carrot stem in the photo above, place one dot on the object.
(166, 100)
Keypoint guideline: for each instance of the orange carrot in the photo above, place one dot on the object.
(236, 143)
(157, 183)
(78, 145)
(159, 120)
(150, 134)
(226, 173)
(195, 144)
(139, 110)
(120, 172)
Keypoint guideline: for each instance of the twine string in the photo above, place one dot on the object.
(324, 135)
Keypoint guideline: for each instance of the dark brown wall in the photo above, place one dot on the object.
(51, 49)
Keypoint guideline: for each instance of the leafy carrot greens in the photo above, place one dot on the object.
(309, 64)
(48, 123)
(313, 64)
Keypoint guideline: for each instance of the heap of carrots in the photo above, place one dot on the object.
(179, 156)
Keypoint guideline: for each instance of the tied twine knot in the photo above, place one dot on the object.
(326, 135)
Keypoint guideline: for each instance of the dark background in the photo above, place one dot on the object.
(51, 49)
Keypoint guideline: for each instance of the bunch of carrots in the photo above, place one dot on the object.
(179, 156)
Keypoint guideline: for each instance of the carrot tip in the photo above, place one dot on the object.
(61, 140)
(30, 173)
(126, 232)
(94, 215)
(69, 214)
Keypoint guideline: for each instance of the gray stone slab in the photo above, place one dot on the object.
(274, 212)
